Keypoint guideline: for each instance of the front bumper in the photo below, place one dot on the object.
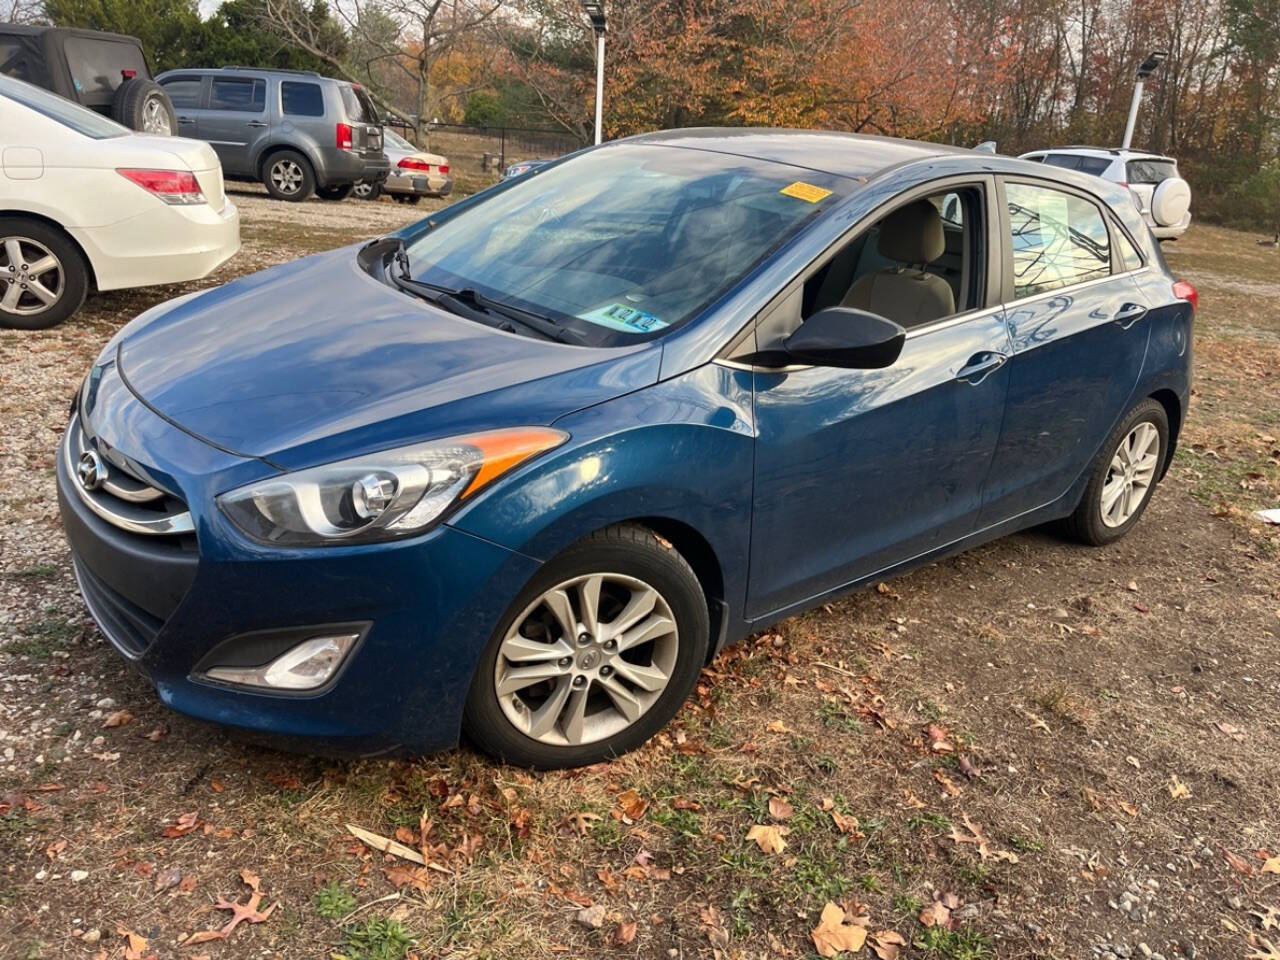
(429, 604)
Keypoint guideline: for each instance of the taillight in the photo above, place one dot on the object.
(343, 136)
(171, 186)
(409, 163)
(1185, 291)
(444, 168)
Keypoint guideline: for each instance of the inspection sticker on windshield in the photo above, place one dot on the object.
(805, 191)
(619, 316)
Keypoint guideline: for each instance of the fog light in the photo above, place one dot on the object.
(308, 665)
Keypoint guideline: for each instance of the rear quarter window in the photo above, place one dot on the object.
(1150, 171)
(301, 99)
(356, 102)
(1094, 166)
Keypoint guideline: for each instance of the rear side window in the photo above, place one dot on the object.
(243, 96)
(183, 91)
(1150, 171)
(1057, 239)
(300, 99)
(1095, 166)
(1129, 254)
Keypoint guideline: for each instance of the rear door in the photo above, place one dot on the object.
(1079, 337)
(234, 117)
(362, 116)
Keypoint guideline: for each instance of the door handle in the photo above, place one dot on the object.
(185, 120)
(1129, 314)
(256, 123)
(980, 366)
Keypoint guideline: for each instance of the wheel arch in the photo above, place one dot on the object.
(55, 225)
(271, 149)
(1173, 410)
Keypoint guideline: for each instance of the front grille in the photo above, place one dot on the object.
(129, 628)
(118, 494)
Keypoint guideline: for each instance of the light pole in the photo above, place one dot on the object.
(595, 13)
(1145, 69)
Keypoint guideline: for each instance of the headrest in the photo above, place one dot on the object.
(912, 234)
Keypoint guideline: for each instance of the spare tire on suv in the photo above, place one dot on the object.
(1171, 201)
(142, 105)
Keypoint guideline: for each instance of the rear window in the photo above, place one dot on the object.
(242, 96)
(183, 91)
(1094, 166)
(1150, 171)
(96, 65)
(359, 107)
(78, 118)
(301, 99)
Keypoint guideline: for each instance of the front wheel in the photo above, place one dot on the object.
(595, 656)
(1124, 476)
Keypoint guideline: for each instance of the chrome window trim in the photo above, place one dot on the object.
(1058, 291)
(151, 526)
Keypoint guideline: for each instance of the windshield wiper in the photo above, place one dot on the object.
(473, 302)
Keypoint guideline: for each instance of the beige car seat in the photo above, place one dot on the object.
(911, 235)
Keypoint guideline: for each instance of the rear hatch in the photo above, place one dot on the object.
(362, 116)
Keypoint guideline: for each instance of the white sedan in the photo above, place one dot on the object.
(89, 204)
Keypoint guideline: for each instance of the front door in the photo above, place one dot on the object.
(235, 117)
(1079, 334)
(859, 470)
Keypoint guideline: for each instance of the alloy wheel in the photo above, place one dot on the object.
(31, 277)
(362, 189)
(287, 176)
(1130, 474)
(155, 119)
(586, 659)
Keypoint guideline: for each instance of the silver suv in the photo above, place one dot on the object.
(295, 131)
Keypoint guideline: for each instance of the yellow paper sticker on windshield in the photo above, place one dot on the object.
(805, 191)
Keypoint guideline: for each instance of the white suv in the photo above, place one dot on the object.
(1163, 197)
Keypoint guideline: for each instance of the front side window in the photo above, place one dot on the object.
(242, 96)
(1057, 239)
(80, 119)
(184, 92)
(627, 242)
(300, 99)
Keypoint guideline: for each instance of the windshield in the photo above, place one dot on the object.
(627, 242)
(78, 118)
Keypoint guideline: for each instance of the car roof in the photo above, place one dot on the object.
(1113, 153)
(842, 154)
(22, 30)
(235, 71)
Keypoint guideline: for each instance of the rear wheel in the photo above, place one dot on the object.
(595, 656)
(338, 192)
(287, 175)
(367, 191)
(1124, 477)
(43, 276)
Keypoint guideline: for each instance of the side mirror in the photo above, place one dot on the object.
(845, 337)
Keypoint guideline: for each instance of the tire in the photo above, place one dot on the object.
(33, 243)
(1098, 523)
(628, 560)
(287, 175)
(337, 192)
(367, 191)
(412, 199)
(142, 105)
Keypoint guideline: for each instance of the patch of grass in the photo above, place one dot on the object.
(743, 906)
(682, 824)
(378, 938)
(1026, 844)
(607, 833)
(955, 944)
(928, 821)
(905, 905)
(870, 883)
(334, 901)
(36, 572)
(41, 638)
(832, 714)
(817, 876)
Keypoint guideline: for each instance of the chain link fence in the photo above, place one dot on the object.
(478, 155)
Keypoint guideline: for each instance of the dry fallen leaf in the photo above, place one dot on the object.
(768, 838)
(977, 838)
(632, 805)
(135, 945)
(833, 935)
(845, 824)
(244, 912)
(117, 718)
(780, 809)
(938, 913)
(625, 933)
(1239, 864)
(1231, 730)
(1272, 865)
(1177, 789)
(888, 944)
(183, 825)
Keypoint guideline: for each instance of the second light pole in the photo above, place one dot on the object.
(595, 13)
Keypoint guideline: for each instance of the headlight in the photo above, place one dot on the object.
(381, 496)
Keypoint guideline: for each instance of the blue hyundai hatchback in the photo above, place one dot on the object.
(519, 471)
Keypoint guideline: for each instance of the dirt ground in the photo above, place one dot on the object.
(1031, 750)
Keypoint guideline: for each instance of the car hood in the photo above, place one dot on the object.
(318, 360)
